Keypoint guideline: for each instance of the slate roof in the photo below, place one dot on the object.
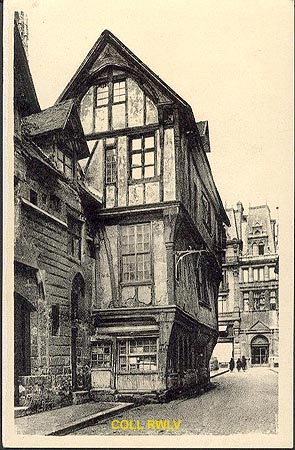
(50, 119)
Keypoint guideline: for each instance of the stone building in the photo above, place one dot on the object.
(54, 252)
(160, 229)
(248, 301)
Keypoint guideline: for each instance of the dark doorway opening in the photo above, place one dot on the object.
(77, 300)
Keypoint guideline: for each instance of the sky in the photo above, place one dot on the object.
(231, 60)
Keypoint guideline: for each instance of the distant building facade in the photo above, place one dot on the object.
(248, 301)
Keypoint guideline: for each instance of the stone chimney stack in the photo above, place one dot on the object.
(21, 19)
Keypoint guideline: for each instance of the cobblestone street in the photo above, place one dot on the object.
(240, 403)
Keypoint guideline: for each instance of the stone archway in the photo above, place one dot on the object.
(259, 351)
(77, 301)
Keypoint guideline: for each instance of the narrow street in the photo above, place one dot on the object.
(240, 403)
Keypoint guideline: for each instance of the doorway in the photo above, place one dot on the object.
(259, 351)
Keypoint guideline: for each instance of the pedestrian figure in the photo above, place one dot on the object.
(244, 363)
(231, 364)
(239, 364)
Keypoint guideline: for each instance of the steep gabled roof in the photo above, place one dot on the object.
(56, 119)
(105, 38)
(24, 90)
(50, 119)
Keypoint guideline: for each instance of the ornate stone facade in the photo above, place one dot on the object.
(248, 302)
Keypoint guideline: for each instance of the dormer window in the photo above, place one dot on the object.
(64, 163)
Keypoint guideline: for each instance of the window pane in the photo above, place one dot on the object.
(136, 174)
(149, 172)
(136, 159)
(136, 144)
(149, 142)
(149, 158)
(119, 92)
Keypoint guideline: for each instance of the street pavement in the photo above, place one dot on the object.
(243, 402)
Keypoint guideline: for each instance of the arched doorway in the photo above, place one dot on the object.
(259, 351)
(77, 300)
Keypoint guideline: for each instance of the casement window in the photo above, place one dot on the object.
(74, 237)
(101, 355)
(246, 301)
(111, 165)
(138, 355)
(119, 92)
(110, 105)
(136, 252)
(64, 163)
(55, 320)
(206, 212)
(102, 95)
(142, 157)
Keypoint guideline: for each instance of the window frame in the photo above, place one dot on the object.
(72, 234)
(106, 364)
(136, 253)
(129, 354)
(142, 151)
(114, 172)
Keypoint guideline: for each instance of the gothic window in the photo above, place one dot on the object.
(136, 253)
(254, 249)
(142, 157)
(261, 249)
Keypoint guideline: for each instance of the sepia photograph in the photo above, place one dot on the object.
(148, 224)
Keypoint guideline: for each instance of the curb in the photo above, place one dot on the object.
(89, 420)
(219, 373)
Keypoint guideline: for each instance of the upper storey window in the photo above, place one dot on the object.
(119, 93)
(102, 95)
(142, 158)
(206, 212)
(64, 163)
(116, 102)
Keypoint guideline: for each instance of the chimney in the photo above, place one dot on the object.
(21, 19)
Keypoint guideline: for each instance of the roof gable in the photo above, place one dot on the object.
(109, 50)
